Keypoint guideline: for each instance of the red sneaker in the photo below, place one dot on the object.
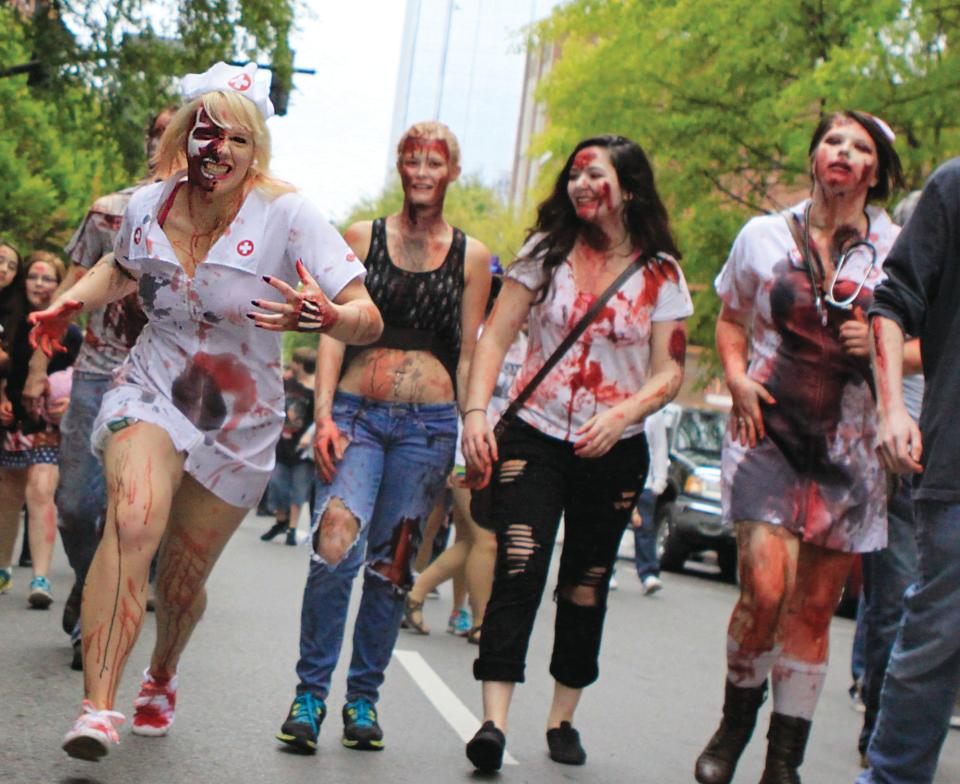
(153, 709)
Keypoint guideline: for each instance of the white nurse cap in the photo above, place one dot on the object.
(225, 78)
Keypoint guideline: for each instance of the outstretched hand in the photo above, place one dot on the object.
(306, 310)
(50, 325)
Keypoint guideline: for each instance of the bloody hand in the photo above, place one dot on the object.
(306, 310)
(50, 325)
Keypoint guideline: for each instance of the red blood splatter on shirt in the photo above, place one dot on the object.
(809, 373)
(198, 392)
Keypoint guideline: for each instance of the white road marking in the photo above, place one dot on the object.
(448, 704)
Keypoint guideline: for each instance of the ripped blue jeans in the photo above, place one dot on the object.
(393, 472)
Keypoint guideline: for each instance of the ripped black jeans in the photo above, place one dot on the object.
(537, 479)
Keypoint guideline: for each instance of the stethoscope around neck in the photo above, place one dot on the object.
(854, 248)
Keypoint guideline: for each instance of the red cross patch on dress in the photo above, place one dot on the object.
(245, 248)
(240, 82)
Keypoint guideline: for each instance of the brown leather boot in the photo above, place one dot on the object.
(786, 742)
(718, 760)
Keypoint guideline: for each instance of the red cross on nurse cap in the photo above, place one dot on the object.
(221, 77)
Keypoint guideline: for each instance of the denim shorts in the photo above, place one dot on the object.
(291, 485)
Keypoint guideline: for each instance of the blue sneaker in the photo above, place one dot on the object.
(459, 623)
(5, 579)
(302, 727)
(40, 597)
(360, 728)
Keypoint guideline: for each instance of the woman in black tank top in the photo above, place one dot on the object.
(386, 431)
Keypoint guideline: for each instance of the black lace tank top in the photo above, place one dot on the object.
(421, 310)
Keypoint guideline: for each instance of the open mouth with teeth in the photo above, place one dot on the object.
(214, 170)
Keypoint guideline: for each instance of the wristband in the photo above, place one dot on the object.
(471, 410)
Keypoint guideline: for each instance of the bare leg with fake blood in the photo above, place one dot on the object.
(200, 527)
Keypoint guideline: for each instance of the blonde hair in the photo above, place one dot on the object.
(171, 156)
(48, 258)
(428, 131)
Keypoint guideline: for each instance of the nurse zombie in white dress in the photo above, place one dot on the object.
(188, 432)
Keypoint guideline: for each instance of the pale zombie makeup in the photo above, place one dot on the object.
(425, 170)
(41, 283)
(218, 157)
(593, 185)
(8, 266)
(846, 158)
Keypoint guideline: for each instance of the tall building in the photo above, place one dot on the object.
(462, 62)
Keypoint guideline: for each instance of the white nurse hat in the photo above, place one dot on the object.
(230, 78)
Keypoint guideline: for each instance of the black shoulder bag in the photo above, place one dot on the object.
(481, 501)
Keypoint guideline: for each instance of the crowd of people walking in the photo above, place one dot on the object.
(514, 400)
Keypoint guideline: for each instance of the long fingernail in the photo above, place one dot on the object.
(255, 302)
(266, 278)
(250, 316)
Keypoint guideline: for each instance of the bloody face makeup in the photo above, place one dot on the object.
(846, 158)
(218, 156)
(8, 266)
(425, 170)
(593, 185)
(41, 283)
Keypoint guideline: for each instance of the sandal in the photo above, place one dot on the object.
(413, 615)
(473, 636)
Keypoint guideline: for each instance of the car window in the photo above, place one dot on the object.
(700, 431)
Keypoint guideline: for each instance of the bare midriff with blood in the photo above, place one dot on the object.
(398, 376)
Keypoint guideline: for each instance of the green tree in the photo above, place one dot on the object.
(724, 95)
(72, 122)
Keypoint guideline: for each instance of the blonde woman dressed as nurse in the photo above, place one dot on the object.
(188, 432)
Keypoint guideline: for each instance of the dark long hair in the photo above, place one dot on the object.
(644, 215)
(13, 300)
(889, 168)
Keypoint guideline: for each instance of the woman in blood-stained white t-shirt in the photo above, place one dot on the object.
(189, 429)
(578, 447)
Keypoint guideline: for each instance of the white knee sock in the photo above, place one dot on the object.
(748, 669)
(796, 686)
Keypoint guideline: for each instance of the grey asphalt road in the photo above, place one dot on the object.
(657, 701)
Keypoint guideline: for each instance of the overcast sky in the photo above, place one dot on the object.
(333, 142)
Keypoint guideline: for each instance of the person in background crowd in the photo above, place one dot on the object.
(31, 446)
(188, 431)
(643, 519)
(577, 446)
(385, 436)
(800, 479)
(920, 298)
(292, 480)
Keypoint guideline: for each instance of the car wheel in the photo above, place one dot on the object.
(671, 550)
(727, 561)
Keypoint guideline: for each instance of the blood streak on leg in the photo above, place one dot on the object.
(183, 567)
(129, 620)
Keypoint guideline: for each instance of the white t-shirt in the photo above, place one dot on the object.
(611, 360)
(201, 370)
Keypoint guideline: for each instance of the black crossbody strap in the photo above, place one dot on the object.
(569, 340)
